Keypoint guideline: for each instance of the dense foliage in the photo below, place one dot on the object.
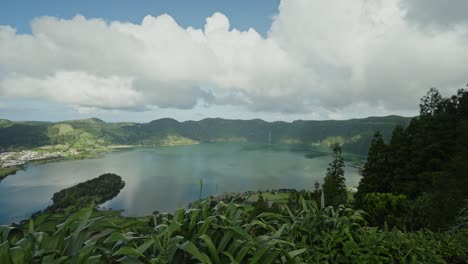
(427, 162)
(24, 135)
(224, 233)
(386, 209)
(354, 134)
(94, 191)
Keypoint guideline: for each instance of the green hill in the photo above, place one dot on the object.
(354, 134)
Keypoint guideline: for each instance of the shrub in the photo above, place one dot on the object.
(386, 209)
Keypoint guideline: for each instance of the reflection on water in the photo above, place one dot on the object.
(165, 178)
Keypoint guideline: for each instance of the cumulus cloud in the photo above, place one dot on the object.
(76, 88)
(365, 51)
(319, 56)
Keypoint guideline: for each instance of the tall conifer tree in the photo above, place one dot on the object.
(375, 176)
(334, 187)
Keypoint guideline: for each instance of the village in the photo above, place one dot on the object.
(20, 158)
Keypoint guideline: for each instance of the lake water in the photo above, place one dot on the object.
(165, 178)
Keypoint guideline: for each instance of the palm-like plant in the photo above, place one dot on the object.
(222, 233)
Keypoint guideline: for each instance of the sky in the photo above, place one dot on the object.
(270, 59)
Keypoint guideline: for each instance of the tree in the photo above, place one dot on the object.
(334, 187)
(430, 103)
(261, 206)
(427, 162)
(375, 176)
(317, 186)
(317, 192)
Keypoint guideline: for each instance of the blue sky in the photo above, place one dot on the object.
(243, 14)
(271, 59)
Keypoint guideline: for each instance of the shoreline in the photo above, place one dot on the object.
(85, 154)
(95, 153)
(77, 154)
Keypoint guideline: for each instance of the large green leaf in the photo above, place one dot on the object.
(17, 255)
(211, 248)
(193, 250)
(128, 251)
(4, 253)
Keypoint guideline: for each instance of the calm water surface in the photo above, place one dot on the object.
(165, 178)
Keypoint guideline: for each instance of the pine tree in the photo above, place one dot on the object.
(427, 162)
(431, 103)
(334, 187)
(317, 186)
(317, 192)
(375, 173)
(261, 206)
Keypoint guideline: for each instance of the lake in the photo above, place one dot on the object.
(165, 178)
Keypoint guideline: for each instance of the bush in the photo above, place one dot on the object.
(386, 209)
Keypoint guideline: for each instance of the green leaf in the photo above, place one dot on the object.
(143, 247)
(231, 258)
(224, 241)
(26, 245)
(271, 257)
(94, 259)
(264, 249)
(243, 252)
(294, 253)
(201, 189)
(128, 251)
(31, 226)
(193, 250)
(17, 255)
(78, 237)
(116, 236)
(211, 248)
(11, 234)
(4, 253)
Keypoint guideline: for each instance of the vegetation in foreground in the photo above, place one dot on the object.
(226, 233)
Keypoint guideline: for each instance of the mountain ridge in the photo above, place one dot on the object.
(353, 134)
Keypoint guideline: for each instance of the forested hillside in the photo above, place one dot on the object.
(422, 169)
(354, 135)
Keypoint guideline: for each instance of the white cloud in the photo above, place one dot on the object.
(319, 57)
(76, 88)
(365, 51)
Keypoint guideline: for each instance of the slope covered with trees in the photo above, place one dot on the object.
(354, 135)
(425, 163)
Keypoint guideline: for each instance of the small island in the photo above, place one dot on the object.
(95, 191)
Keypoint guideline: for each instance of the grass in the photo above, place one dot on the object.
(175, 140)
(4, 172)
